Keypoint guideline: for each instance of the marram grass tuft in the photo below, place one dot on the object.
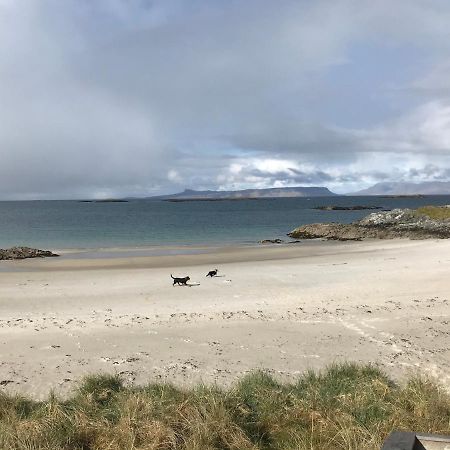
(347, 406)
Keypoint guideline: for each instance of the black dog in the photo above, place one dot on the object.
(180, 281)
(212, 273)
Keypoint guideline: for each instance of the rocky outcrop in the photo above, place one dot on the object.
(408, 221)
(398, 223)
(24, 252)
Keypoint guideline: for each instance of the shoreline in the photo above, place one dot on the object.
(284, 308)
(174, 255)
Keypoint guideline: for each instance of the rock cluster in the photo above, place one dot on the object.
(23, 253)
(398, 223)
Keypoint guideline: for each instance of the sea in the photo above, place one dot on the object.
(144, 223)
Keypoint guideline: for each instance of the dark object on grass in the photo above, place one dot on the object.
(212, 273)
(24, 252)
(407, 440)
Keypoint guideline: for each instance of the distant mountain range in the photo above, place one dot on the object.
(400, 188)
(299, 191)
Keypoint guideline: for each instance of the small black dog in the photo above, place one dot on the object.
(180, 281)
(212, 273)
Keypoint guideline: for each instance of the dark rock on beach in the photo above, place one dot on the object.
(398, 223)
(271, 241)
(24, 252)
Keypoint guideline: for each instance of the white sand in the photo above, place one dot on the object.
(282, 308)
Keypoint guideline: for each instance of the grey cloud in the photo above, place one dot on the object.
(137, 97)
(430, 172)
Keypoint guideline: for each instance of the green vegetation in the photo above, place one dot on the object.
(346, 407)
(434, 212)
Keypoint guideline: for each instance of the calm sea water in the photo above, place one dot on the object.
(72, 224)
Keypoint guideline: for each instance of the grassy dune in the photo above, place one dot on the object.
(434, 212)
(346, 407)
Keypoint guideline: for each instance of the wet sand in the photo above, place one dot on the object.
(284, 308)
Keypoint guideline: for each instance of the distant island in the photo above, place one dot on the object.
(404, 189)
(299, 191)
(346, 208)
(105, 200)
(220, 199)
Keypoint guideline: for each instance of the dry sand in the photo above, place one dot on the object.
(282, 308)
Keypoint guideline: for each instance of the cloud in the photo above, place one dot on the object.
(424, 130)
(140, 97)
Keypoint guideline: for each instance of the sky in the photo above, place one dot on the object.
(112, 98)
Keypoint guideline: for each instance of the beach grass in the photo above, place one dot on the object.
(434, 212)
(347, 406)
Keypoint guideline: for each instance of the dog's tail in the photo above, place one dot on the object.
(172, 277)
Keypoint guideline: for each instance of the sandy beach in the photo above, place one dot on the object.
(283, 308)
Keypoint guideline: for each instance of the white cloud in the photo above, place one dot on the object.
(174, 176)
(425, 130)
